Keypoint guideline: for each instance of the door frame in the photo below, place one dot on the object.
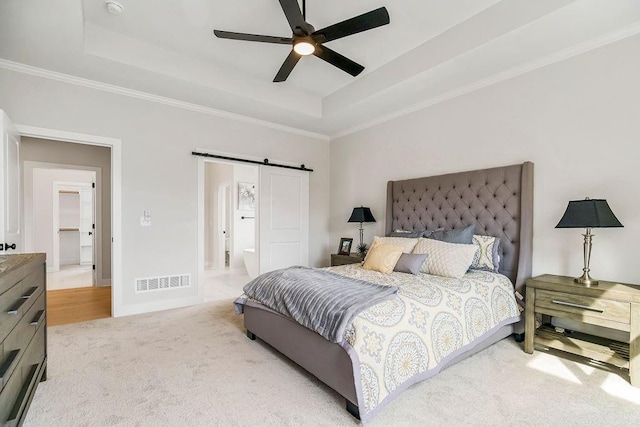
(115, 144)
(55, 251)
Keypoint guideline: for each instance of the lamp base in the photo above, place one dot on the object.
(586, 280)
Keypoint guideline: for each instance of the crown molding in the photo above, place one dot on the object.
(106, 87)
(559, 56)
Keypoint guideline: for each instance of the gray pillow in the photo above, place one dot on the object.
(428, 233)
(404, 233)
(457, 235)
(410, 263)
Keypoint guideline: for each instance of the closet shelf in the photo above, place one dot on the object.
(69, 229)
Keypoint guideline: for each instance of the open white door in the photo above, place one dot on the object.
(10, 238)
(86, 226)
(283, 212)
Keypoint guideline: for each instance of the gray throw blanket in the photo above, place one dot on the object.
(322, 301)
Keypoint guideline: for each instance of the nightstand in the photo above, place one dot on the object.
(608, 304)
(353, 258)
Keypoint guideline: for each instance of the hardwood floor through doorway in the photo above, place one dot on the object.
(78, 305)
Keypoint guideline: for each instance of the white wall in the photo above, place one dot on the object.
(578, 121)
(160, 174)
(42, 210)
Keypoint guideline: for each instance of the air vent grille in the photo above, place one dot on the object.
(150, 284)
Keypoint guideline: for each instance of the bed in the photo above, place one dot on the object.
(497, 201)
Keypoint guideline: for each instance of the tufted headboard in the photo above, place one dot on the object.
(499, 201)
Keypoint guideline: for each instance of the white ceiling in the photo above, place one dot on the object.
(431, 51)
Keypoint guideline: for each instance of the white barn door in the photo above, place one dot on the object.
(10, 238)
(283, 211)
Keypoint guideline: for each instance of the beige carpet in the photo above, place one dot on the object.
(195, 367)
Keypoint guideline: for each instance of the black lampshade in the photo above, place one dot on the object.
(361, 214)
(588, 213)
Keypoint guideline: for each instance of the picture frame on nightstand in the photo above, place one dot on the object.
(345, 246)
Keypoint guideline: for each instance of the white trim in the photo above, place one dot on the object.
(169, 304)
(117, 308)
(578, 49)
(105, 87)
(201, 230)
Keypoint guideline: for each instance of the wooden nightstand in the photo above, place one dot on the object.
(608, 304)
(345, 259)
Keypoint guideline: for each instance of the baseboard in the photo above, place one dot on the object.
(128, 310)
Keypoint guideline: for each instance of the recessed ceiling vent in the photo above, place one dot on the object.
(150, 284)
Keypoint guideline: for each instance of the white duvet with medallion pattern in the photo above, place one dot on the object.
(430, 318)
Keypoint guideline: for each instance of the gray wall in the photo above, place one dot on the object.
(38, 150)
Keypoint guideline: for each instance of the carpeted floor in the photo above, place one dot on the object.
(195, 367)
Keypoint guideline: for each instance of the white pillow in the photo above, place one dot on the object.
(445, 259)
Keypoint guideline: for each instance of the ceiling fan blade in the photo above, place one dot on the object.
(291, 10)
(342, 62)
(287, 67)
(364, 22)
(252, 37)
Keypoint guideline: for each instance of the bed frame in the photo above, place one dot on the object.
(499, 201)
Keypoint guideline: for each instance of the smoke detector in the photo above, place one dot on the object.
(114, 7)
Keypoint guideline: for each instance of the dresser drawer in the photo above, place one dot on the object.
(15, 345)
(9, 397)
(584, 307)
(14, 396)
(17, 300)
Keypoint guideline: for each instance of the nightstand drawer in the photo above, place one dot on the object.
(344, 259)
(583, 307)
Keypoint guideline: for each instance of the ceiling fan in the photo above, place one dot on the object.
(306, 40)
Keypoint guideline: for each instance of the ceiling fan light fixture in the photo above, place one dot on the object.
(304, 47)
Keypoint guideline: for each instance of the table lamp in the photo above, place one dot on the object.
(361, 214)
(588, 214)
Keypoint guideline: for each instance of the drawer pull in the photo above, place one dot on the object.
(584, 307)
(19, 405)
(36, 320)
(17, 306)
(13, 356)
(30, 292)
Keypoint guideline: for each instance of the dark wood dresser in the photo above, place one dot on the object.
(23, 333)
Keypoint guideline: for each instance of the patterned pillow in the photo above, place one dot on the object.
(382, 257)
(444, 258)
(410, 263)
(486, 257)
(457, 235)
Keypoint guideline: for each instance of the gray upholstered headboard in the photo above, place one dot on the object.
(499, 201)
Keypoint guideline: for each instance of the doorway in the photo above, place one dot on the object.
(67, 215)
(74, 223)
(230, 192)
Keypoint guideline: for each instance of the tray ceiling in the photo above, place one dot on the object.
(431, 51)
